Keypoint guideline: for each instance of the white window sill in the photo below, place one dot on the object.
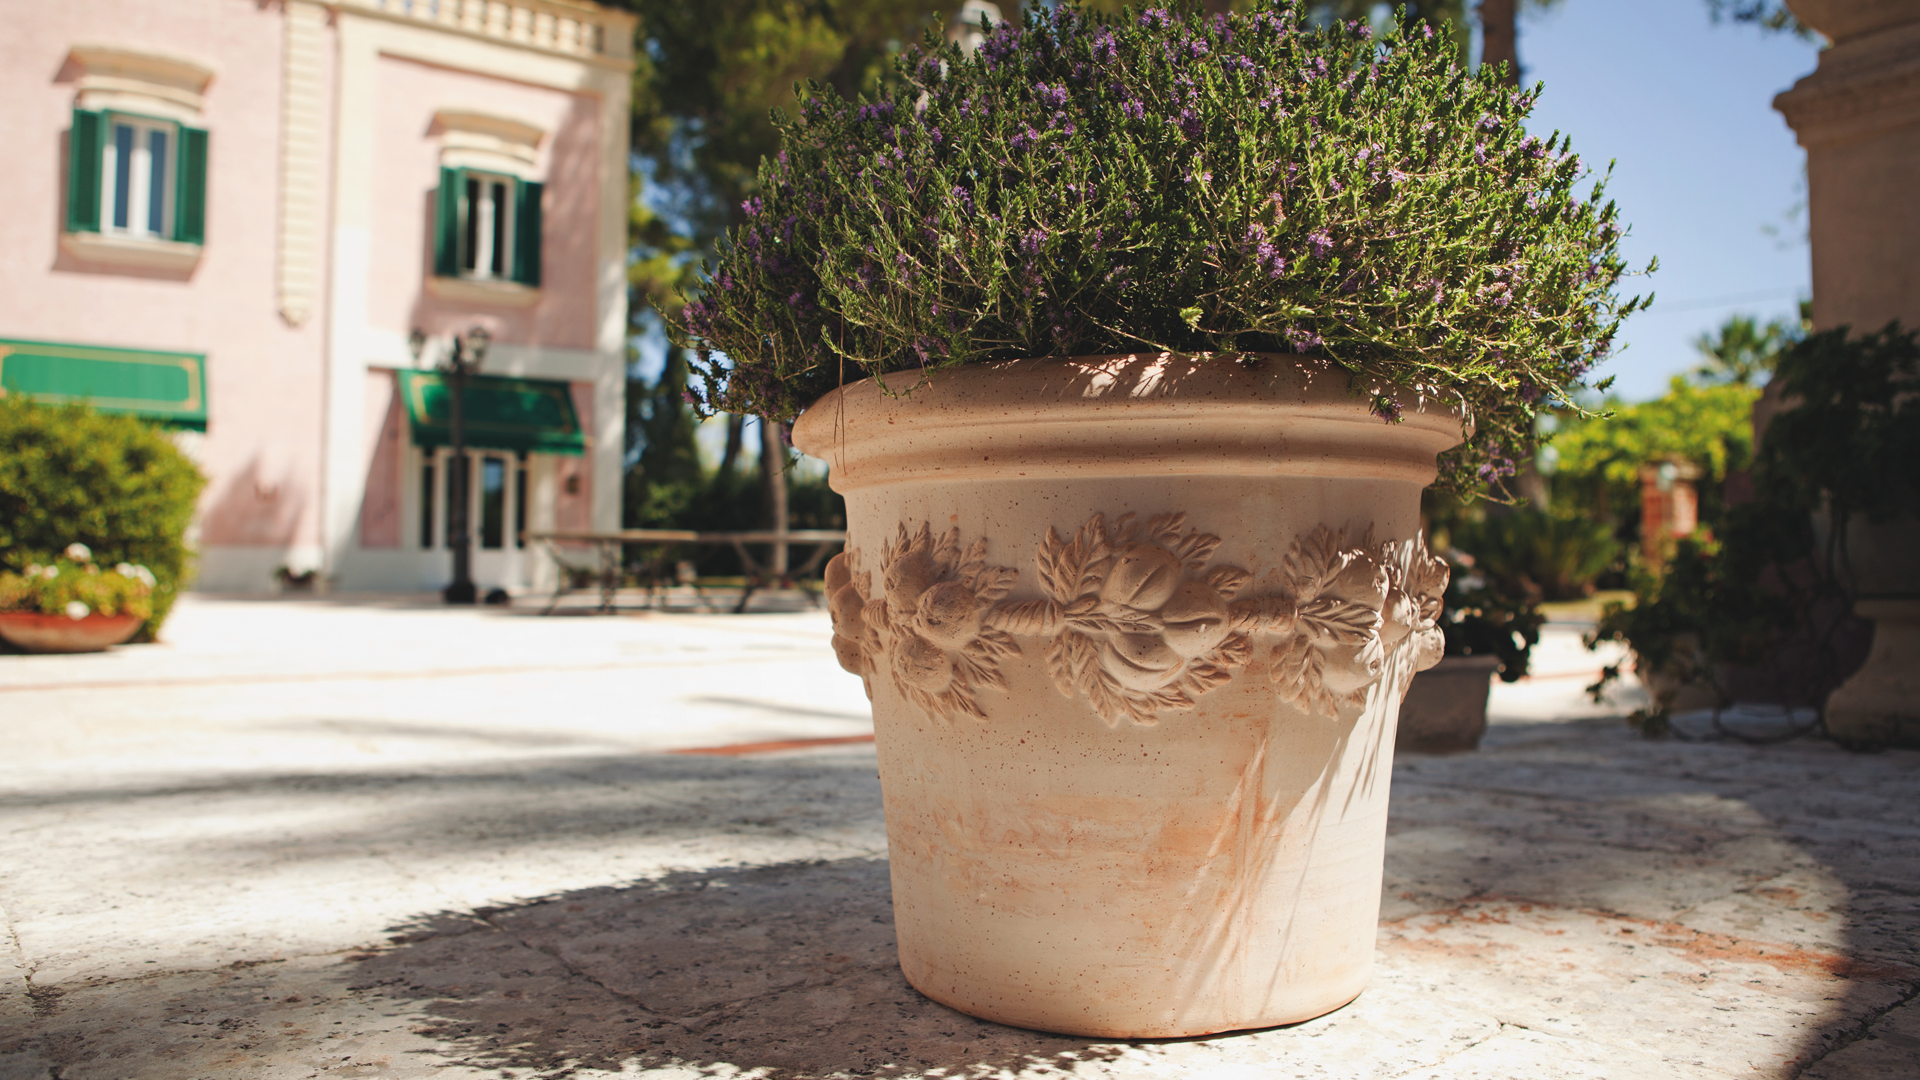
(148, 253)
(473, 291)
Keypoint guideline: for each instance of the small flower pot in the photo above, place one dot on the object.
(1445, 710)
(39, 633)
(1135, 630)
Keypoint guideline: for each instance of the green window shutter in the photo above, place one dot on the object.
(190, 188)
(446, 222)
(526, 232)
(84, 149)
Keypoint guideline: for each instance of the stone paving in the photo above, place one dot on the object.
(371, 837)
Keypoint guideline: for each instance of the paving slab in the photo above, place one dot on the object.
(373, 837)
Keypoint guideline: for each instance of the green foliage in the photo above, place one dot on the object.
(1488, 614)
(1849, 440)
(76, 586)
(1597, 458)
(1768, 592)
(1770, 15)
(711, 75)
(1742, 352)
(1536, 555)
(113, 483)
(1251, 184)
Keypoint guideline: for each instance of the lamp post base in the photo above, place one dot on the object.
(460, 592)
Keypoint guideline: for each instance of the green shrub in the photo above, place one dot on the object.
(1536, 554)
(1252, 183)
(1768, 592)
(113, 483)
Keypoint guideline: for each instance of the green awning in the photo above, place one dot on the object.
(530, 415)
(166, 386)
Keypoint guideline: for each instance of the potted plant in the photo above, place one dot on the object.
(1131, 344)
(1491, 622)
(71, 605)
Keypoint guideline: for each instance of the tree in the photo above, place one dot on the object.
(707, 80)
(1742, 352)
(1770, 15)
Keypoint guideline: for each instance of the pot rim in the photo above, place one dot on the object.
(1126, 415)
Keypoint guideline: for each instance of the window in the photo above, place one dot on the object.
(493, 502)
(136, 177)
(487, 227)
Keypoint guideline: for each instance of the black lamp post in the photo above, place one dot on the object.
(463, 360)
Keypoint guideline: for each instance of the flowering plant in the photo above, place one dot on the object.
(76, 587)
(1244, 183)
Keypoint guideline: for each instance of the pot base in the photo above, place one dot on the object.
(1880, 704)
(39, 633)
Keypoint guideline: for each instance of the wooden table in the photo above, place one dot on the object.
(610, 544)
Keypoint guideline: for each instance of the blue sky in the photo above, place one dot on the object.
(1702, 162)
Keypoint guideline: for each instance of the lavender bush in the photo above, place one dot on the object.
(1246, 183)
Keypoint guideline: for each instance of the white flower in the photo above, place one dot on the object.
(79, 552)
(138, 573)
(50, 572)
(33, 569)
(77, 610)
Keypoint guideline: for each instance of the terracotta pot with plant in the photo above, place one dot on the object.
(71, 605)
(1132, 344)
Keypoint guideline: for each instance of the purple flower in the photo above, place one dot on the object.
(1303, 340)
(1386, 408)
(1133, 110)
(1050, 96)
(1320, 243)
(1190, 124)
(1155, 19)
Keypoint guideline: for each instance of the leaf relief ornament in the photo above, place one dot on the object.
(925, 626)
(1140, 623)
(1344, 609)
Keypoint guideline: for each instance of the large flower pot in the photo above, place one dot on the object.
(1136, 631)
(39, 633)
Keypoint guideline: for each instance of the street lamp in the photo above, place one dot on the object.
(462, 360)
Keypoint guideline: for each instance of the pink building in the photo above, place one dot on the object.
(231, 215)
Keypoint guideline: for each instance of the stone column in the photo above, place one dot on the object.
(1858, 116)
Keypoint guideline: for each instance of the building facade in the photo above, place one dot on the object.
(262, 221)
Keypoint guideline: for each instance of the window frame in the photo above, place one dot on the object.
(141, 175)
(487, 225)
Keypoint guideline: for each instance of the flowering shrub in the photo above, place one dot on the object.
(1245, 183)
(117, 484)
(76, 587)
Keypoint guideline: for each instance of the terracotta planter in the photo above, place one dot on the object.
(39, 633)
(1445, 710)
(1136, 631)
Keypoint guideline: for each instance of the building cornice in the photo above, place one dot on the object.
(569, 28)
(1862, 87)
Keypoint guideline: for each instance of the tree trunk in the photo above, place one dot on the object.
(773, 467)
(736, 429)
(1499, 37)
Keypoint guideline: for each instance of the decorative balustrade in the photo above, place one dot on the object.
(567, 27)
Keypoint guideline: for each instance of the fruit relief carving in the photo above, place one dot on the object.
(926, 625)
(1139, 623)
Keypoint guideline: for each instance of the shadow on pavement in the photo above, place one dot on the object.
(789, 969)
